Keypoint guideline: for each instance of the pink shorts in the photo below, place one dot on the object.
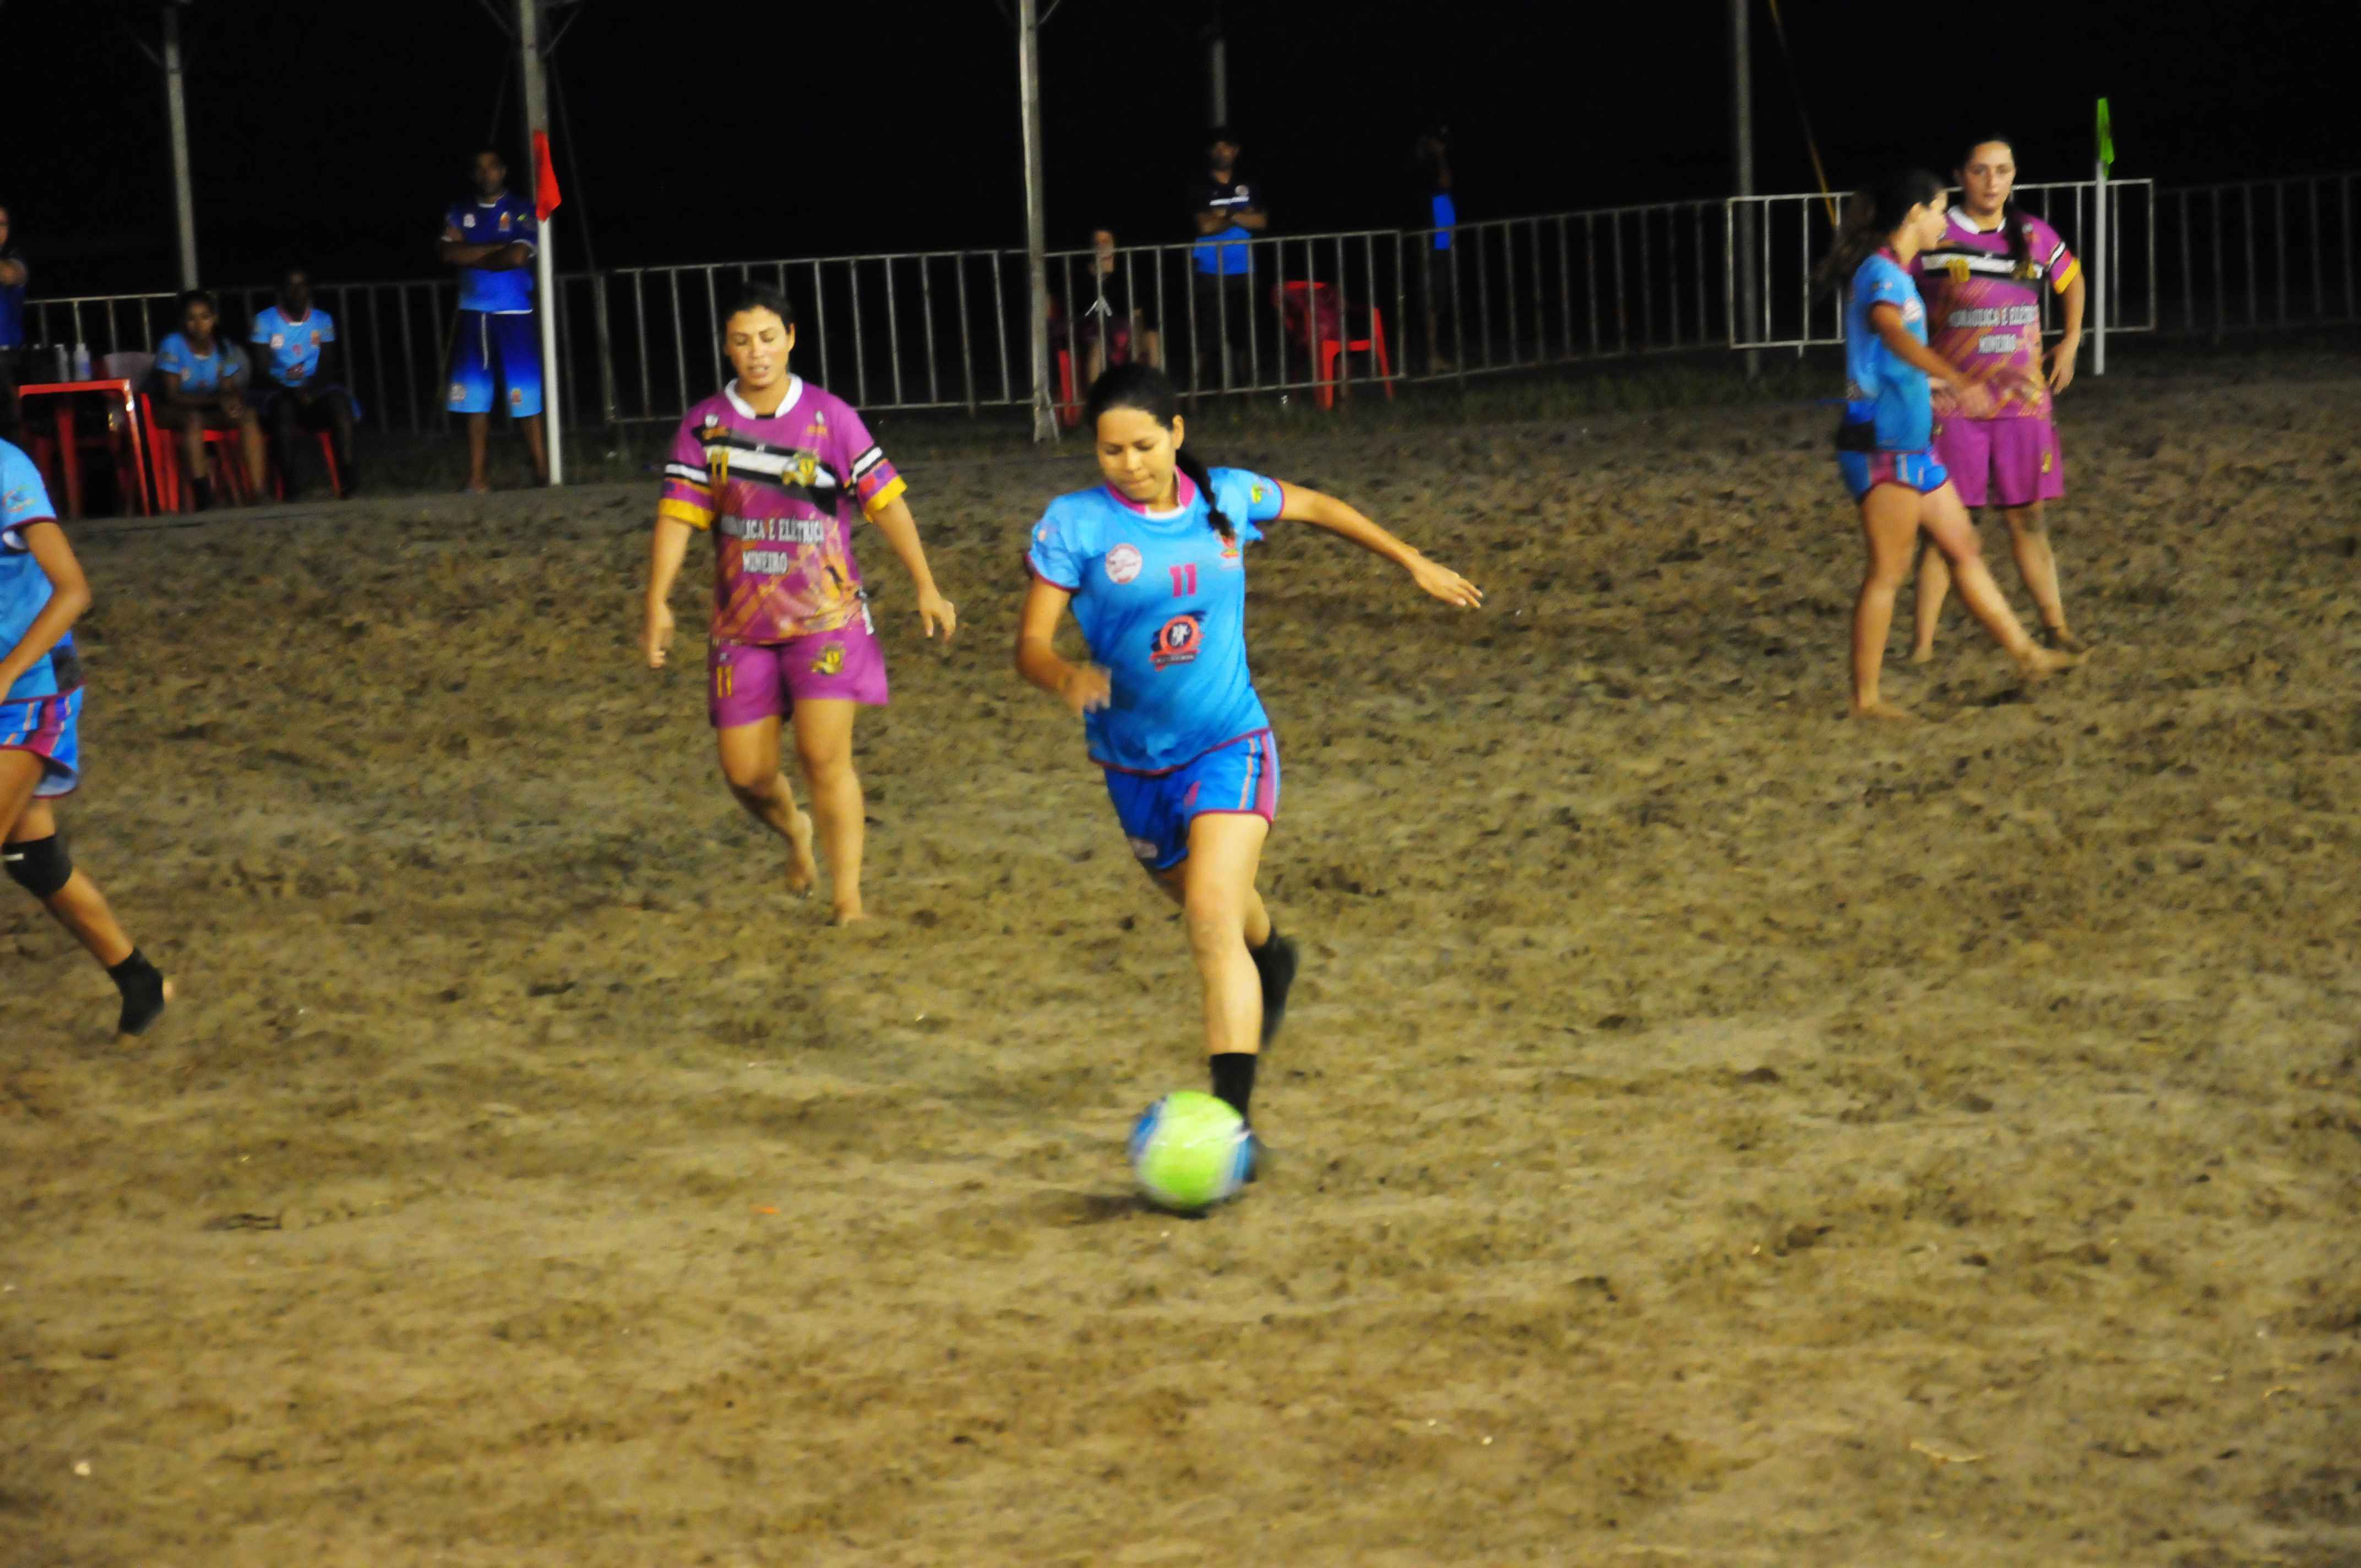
(2012, 461)
(749, 682)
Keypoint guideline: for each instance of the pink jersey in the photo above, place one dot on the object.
(778, 491)
(1983, 314)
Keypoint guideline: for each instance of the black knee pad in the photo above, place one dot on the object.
(39, 866)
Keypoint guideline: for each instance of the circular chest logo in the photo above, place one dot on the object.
(1122, 563)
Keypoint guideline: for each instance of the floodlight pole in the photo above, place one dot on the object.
(1217, 71)
(1037, 245)
(176, 103)
(1742, 151)
(536, 120)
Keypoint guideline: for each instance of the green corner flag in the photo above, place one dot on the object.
(2106, 137)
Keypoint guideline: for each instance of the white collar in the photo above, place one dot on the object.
(1960, 216)
(795, 391)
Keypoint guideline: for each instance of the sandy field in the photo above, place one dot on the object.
(1706, 1132)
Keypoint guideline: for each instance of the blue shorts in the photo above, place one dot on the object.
(1864, 471)
(1239, 777)
(504, 347)
(49, 728)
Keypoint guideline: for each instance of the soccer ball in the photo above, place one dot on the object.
(1190, 1151)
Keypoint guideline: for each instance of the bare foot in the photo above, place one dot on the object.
(1922, 656)
(804, 871)
(846, 914)
(1885, 710)
(2039, 663)
(2065, 642)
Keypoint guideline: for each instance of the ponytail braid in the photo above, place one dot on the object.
(1188, 464)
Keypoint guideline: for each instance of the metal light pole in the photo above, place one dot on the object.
(176, 102)
(1742, 138)
(1037, 245)
(1217, 71)
(536, 119)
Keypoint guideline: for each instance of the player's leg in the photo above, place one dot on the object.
(1889, 525)
(188, 428)
(518, 342)
(1218, 890)
(1964, 448)
(1241, 778)
(336, 405)
(1947, 522)
(2030, 474)
(471, 389)
(824, 749)
(35, 859)
(250, 448)
(747, 705)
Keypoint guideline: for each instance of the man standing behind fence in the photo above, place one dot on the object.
(490, 240)
(1229, 213)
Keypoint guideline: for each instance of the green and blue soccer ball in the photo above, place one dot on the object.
(1190, 1151)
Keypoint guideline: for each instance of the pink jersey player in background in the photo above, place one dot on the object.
(780, 471)
(1982, 284)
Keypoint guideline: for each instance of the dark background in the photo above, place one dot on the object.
(335, 131)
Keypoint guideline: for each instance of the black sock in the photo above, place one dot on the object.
(1234, 1076)
(142, 985)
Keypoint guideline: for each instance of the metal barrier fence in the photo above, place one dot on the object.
(946, 330)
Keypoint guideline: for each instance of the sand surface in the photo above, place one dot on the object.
(1707, 1131)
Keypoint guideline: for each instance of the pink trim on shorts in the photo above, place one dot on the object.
(1259, 796)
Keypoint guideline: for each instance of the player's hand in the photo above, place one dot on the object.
(232, 404)
(2062, 363)
(1085, 688)
(655, 637)
(1443, 583)
(936, 611)
(518, 254)
(1972, 400)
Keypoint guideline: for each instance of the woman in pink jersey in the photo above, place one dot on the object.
(1984, 282)
(780, 472)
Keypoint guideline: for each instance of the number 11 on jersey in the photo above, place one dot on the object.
(1184, 580)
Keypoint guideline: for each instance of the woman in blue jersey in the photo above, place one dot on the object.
(42, 593)
(1884, 446)
(1152, 565)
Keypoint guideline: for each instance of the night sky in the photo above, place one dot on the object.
(335, 131)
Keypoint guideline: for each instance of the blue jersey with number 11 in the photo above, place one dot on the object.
(1161, 599)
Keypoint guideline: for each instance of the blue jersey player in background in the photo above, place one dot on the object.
(1152, 564)
(496, 355)
(1886, 445)
(42, 594)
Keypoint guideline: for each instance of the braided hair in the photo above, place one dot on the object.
(2011, 219)
(1151, 391)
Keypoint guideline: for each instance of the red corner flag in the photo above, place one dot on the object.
(544, 179)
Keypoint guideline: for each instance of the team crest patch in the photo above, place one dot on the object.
(278, 340)
(516, 397)
(830, 661)
(469, 221)
(458, 394)
(1176, 641)
(1913, 311)
(1122, 563)
(2045, 462)
(1144, 849)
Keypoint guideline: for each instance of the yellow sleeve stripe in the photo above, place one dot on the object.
(673, 509)
(885, 498)
(2061, 281)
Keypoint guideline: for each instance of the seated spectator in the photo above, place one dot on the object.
(302, 394)
(1117, 326)
(199, 385)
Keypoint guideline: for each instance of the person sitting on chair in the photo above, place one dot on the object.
(199, 385)
(301, 390)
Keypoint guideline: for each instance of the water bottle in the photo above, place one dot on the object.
(82, 362)
(62, 367)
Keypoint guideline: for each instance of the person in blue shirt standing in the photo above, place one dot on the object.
(1229, 214)
(200, 384)
(1152, 564)
(13, 274)
(42, 594)
(296, 342)
(490, 239)
(1884, 443)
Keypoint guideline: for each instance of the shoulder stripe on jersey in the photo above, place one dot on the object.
(868, 460)
(683, 471)
(2056, 253)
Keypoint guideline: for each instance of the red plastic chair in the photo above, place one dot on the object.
(222, 449)
(327, 459)
(1304, 304)
(116, 441)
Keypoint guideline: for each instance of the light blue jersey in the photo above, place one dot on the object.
(1880, 389)
(1161, 600)
(291, 349)
(504, 220)
(25, 589)
(202, 375)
